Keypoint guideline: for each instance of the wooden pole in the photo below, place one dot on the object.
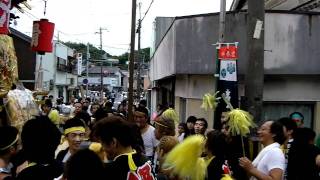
(131, 62)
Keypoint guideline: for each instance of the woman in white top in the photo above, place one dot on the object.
(183, 131)
(270, 162)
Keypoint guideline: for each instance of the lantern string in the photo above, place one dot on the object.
(45, 7)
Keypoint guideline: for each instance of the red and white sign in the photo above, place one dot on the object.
(143, 173)
(4, 16)
(228, 52)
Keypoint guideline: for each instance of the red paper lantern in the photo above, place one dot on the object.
(42, 34)
(4, 16)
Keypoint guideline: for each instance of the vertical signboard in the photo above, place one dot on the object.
(227, 54)
(79, 64)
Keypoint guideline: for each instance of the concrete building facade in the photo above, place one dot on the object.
(183, 63)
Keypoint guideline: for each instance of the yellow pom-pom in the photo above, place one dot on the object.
(171, 114)
(185, 159)
(226, 177)
(209, 101)
(240, 122)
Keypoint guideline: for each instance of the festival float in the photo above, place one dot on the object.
(17, 104)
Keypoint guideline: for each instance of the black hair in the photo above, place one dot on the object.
(216, 143)
(143, 102)
(191, 119)
(143, 110)
(100, 113)
(79, 102)
(161, 107)
(8, 138)
(108, 104)
(203, 120)
(83, 165)
(48, 103)
(74, 122)
(124, 102)
(288, 123)
(300, 114)
(85, 108)
(59, 101)
(303, 135)
(44, 97)
(276, 128)
(301, 157)
(115, 127)
(185, 128)
(40, 138)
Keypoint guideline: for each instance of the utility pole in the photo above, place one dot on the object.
(87, 69)
(101, 71)
(254, 79)
(139, 54)
(222, 19)
(131, 62)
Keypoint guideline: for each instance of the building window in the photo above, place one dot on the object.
(60, 91)
(62, 64)
(276, 110)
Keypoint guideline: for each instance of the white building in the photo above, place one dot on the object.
(112, 78)
(59, 71)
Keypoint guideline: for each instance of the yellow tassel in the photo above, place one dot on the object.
(209, 101)
(171, 114)
(185, 159)
(226, 177)
(95, 147)
(132, 165)
(240, 122)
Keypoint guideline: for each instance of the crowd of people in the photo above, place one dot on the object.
(98, 142)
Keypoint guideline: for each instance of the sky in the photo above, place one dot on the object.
(80, 20)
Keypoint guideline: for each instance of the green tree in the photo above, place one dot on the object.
(145, 53)
(123, 59)
(95, 53)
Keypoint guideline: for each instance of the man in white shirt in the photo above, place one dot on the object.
(146, 130)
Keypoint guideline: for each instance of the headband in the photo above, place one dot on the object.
(158, 123)
(73, 129)
(13, 142)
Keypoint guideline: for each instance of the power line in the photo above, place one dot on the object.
(78, 34)
(33, 17)
(111, 47)
(147, 10)
(28, 14)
